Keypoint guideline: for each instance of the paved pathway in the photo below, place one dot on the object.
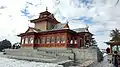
(105, 62)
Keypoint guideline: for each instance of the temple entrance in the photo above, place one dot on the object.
(116, 48)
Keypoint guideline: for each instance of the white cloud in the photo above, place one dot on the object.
(105, 14)
(105, 17)
(11, 21)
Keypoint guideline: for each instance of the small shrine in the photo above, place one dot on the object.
(113, 44)
(50, 33)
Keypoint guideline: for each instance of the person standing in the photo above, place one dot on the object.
(108, 50)
(115, 59)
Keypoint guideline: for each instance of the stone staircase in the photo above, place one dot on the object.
(57, 55)
(44, 53)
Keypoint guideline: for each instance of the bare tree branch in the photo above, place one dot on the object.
(117, 2)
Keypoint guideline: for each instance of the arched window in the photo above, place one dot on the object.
(39, 40)
(71, 41)
(23, 40)
(36, 41)
(75, 41)
(31, 40)
(43, 40)
(58, 39)
(62, 39)
(52, 39)
(48, 40)
(45, 15)
(26, 40)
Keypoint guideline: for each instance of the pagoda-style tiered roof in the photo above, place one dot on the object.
(45, 16)
(48, 32)
(113, 42)
(61, 26)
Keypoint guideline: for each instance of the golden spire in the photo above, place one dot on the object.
(87, 27)
(46, 8)
(67, 21)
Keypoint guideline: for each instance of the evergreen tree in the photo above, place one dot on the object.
(115, 34)
(16, 46)
(93, 42)
(5, 44)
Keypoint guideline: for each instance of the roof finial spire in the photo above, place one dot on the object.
(46, 8)
(67, 21)
(87, 26)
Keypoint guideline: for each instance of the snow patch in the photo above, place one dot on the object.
(5, 62)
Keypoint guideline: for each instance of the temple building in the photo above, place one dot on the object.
(114, 45)
(50, 33)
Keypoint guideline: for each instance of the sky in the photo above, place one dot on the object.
(100, 15)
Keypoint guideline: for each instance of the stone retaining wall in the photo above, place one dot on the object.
(60, 54)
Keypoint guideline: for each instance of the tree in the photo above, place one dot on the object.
(16, 46)
(93, 42)
(115, 34)
(5, 44)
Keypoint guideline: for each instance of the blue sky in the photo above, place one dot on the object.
(101, 16)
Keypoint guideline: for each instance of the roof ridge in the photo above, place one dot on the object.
(35, 28)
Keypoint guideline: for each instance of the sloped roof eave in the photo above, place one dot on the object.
(112, 42)
(23, 34)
